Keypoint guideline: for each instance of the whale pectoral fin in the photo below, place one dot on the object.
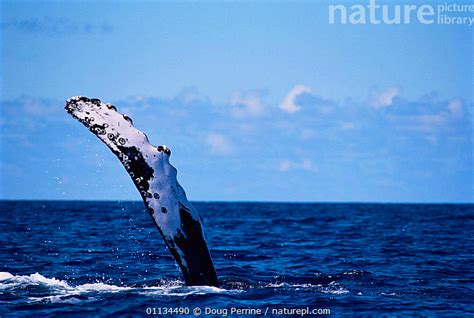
(129, 144)
(155, 178)
(190, 241)
(103, 120)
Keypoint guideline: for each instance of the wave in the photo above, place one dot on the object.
(331, 288)
(56, 290)
(38, 288)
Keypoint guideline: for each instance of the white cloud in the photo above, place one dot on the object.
(384, 98)
(191, 95)
(432, 139)
(455, 107)
(424, 123)
(219, 144)
(430, 122)
(284, 165)
(305, 164)
(245, 105)
(431, 119)
(307, 133)
(288, 104)
(39, 107)
(347, 125)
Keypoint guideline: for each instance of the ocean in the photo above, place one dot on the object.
(328, 259)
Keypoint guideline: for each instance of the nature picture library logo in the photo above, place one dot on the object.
(371, 12)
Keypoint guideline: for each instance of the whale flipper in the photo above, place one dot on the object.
(155, 178)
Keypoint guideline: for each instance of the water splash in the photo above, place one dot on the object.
(42, 289)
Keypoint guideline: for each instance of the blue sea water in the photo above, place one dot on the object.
(107, 259)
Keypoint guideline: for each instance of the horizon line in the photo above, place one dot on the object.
(252, 201)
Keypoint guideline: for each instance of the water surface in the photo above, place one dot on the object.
(106, 258)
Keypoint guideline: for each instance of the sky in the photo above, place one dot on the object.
(258, 101)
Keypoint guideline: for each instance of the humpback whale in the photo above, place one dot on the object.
(155, 178)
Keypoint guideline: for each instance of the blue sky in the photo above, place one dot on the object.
(258, 101)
